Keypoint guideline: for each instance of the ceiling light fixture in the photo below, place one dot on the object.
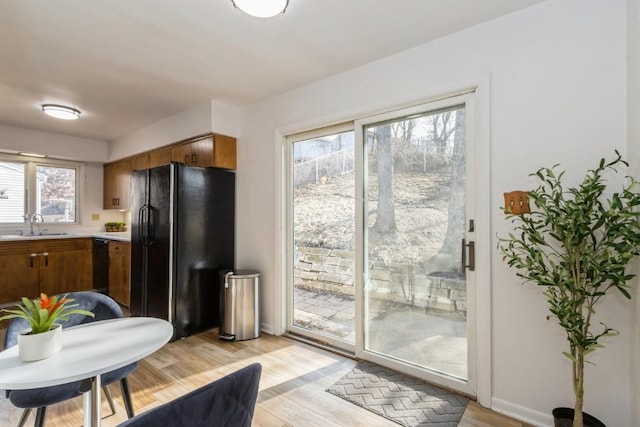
(261, 8)
(22, 153)
(60, 112)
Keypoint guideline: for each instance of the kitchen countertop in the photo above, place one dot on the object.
(120, 236)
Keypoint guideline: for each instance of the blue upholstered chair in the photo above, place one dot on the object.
(227, 402)
(104, 308)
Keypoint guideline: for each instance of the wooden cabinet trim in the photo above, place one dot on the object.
(228, 140)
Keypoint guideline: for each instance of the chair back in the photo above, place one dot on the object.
(229, 401)
(103, 307)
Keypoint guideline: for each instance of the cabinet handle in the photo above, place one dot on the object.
(46, 258)
(194, 158)
(32, 256)
(186, 159)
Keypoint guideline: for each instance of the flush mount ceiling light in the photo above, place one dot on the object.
(60, 112)
(261, 8)
(22, 153)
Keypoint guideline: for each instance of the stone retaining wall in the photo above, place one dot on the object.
(331, 271)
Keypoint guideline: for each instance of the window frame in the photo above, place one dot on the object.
(30, 185)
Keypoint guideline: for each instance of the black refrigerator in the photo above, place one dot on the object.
(182, 236)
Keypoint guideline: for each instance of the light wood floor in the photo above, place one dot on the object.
(294, 377)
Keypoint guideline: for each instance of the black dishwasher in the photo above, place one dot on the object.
(101, 265)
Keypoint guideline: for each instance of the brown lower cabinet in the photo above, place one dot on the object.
(119, 265)
(31, 267)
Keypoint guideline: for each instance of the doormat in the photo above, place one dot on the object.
(400, 398)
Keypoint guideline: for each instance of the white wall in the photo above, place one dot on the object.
(89, 151)
(557, 73)
(633, 130)
(56, 145)
(209, 116)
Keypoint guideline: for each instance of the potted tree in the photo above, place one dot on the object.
(576, 244)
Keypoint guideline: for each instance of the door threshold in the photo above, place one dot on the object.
(321, 345)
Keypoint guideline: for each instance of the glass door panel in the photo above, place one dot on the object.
(323, 238)
(415, 293)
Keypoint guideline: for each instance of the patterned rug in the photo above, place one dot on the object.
(405, 400)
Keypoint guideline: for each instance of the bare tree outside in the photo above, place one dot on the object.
(456, 212)
(385, 211)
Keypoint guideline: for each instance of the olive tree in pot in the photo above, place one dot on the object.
(576, 244)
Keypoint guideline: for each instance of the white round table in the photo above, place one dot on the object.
(88, 350)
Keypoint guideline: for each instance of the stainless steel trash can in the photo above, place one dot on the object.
(240, 318)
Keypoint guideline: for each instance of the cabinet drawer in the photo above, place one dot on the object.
(117, 247)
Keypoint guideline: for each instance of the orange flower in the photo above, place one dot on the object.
(45, 302)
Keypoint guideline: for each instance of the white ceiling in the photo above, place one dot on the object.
(129, 63)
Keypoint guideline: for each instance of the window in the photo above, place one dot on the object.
(12, 192)
(48, 189)
(56, 193)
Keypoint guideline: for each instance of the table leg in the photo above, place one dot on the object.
(91, 404)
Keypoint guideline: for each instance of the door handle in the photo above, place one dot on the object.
(142, 224)
(472, 255)
(152, 226)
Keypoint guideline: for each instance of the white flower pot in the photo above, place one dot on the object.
(33, 347)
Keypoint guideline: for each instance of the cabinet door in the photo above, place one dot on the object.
(66, 265)
(119, 266)
(202, 152)
(19, 276)
(194, 153)
(181, 154)
(224, 152)
(117, 185)
(160, 157)
(140, 163)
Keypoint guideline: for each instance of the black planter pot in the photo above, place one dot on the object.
(563, 417)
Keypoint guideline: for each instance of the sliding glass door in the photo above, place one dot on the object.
(414, 223)
(323, 230)
(381, 230)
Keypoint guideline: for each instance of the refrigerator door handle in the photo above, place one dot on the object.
(152, 225)
(143, 222)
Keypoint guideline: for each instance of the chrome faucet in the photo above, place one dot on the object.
(34, 219)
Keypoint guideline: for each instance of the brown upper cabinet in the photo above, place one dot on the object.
(117, 185)
(207, 151)
(159, 157)
(140, 162)
(152, 159)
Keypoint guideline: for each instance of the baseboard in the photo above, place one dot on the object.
(529, 416)
(266, 328)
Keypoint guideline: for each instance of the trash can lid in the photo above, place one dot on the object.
(244, 274)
